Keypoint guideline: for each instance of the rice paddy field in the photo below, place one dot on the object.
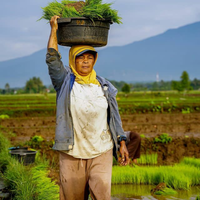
(135, 102)
(151, 114)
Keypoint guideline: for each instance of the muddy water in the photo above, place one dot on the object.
(142, 192)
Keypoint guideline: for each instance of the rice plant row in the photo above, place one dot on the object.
(148, 159)
(180, 176)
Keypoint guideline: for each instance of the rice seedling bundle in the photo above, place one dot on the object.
(20, 181)
(46, 189)
(92, 9)
(4, 143)
(4, 155)
(177, 177)
(166, 191)
(25, 182)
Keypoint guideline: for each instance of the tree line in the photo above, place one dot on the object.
(35, 85)
(184, 84)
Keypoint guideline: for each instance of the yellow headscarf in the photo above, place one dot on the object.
(73, 52)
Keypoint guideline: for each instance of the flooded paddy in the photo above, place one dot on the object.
(142, 192)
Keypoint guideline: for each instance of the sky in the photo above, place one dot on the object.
(21, 34)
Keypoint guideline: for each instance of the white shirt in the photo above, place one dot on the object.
(89, 115)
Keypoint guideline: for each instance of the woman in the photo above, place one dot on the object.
(88, 125)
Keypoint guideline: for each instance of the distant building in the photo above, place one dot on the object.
(157, 77)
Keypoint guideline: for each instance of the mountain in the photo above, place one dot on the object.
(167, 54)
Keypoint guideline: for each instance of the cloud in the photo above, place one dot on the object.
(145, 18)
(141, 19)
(24, 39)
(13, 49)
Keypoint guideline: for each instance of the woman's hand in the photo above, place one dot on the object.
(54, 23)
(124, 153)
(53, 43)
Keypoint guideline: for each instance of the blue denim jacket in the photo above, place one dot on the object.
(62, 79)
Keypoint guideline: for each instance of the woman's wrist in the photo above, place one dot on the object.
(122, 143)
(121, 138)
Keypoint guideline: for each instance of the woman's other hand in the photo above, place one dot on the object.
(124, 153)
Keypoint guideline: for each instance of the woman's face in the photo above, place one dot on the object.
(84, 63)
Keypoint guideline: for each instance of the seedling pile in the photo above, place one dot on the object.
(92, 9)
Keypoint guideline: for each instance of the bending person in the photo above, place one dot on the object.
(133, 144)
(88, 124)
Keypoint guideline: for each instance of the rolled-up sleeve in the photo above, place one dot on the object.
(57, 71)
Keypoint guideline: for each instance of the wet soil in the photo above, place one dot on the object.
(183, 128)
(138, 192)
(176, 125)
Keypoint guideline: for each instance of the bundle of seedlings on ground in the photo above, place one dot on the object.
(166, 191)
(92, 9)
(26, 182)
(43, 183)
(4, 155)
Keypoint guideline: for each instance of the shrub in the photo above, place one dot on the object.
(4, 117)
(35, 141)
(142, 135)
(163, 138)
(37, 138)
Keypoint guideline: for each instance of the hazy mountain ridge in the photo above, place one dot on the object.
(167, 54)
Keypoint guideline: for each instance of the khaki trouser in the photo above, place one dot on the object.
(79, 177)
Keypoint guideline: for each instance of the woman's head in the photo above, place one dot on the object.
(84, 63)
(82, 59)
